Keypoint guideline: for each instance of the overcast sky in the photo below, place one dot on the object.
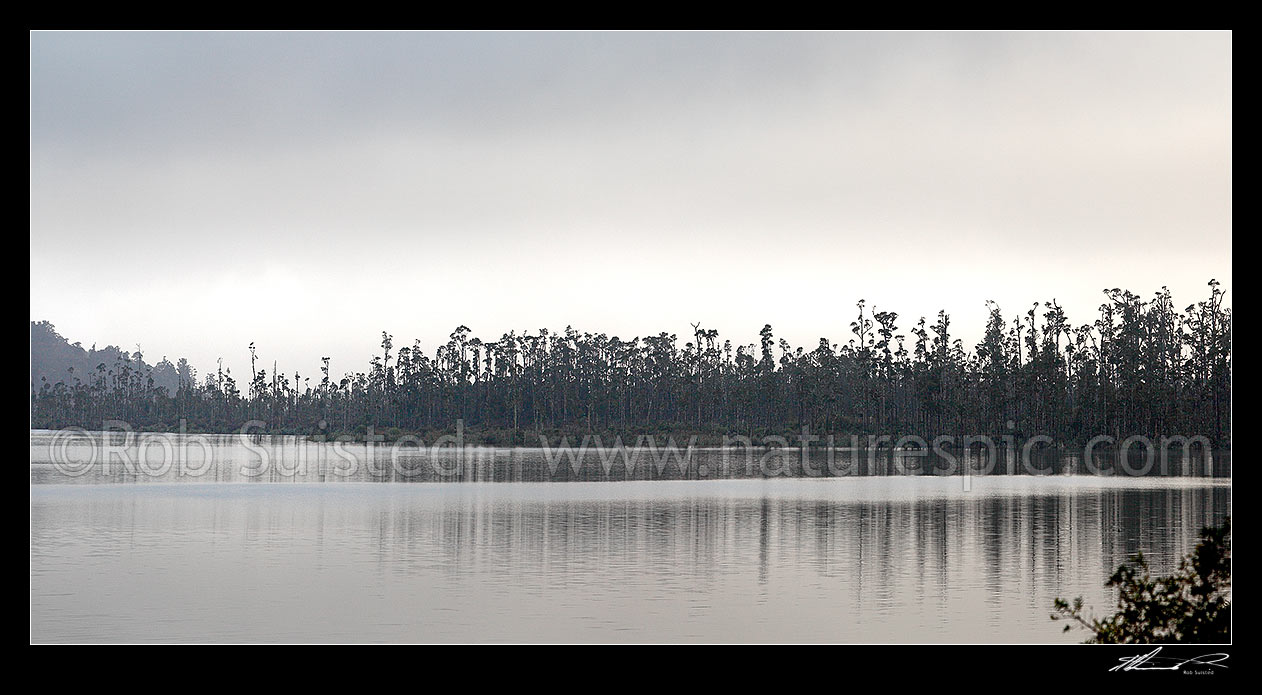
(196, 192)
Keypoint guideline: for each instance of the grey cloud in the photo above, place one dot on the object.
(227, 154)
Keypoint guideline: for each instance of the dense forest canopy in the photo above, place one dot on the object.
(1140, 367)
(54, 359)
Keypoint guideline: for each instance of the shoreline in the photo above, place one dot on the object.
(693, 439)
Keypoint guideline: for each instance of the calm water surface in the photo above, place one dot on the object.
(231, 558)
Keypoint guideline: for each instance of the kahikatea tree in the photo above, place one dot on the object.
(1139, 367)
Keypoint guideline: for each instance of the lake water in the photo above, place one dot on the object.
(133, 553)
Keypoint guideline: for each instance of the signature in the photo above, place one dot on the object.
(1152, 662)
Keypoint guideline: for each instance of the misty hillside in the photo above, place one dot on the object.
(54, 359)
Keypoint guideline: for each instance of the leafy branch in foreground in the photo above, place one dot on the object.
(1191, 605)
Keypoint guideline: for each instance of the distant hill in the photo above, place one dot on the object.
(54, 358)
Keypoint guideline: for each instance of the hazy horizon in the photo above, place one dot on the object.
(196, 192)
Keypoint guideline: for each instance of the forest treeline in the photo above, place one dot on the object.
(1139, 367)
